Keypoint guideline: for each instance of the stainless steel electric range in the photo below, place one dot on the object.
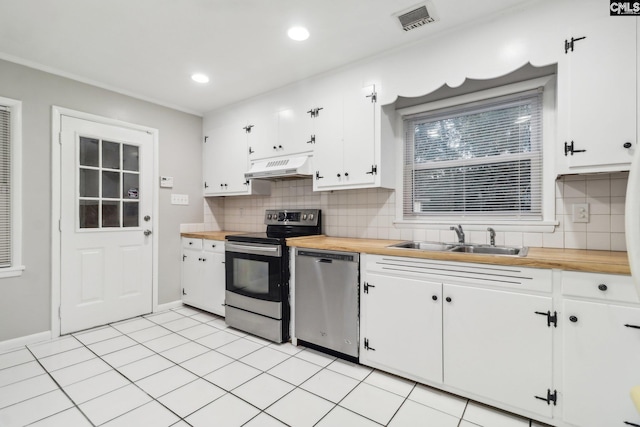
(257, 273)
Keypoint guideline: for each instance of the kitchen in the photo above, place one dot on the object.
(357, 212)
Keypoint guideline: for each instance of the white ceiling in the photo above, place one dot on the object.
(149, 48)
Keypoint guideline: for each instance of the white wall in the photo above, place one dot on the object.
(25, 304)
(489, 49)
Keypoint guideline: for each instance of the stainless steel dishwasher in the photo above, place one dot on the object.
(326, 301)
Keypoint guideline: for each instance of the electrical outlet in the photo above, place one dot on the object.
(580, 212)
(179, 199)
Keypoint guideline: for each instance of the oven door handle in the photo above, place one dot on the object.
(267, 250)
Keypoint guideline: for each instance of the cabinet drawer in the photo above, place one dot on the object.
(216, 246)
(606, 287)
(190, 243)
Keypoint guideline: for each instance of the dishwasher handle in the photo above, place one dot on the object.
(328, 257)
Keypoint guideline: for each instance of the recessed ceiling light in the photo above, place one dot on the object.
(200, 78)
(298, 33)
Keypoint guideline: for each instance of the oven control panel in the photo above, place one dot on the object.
(292, 216)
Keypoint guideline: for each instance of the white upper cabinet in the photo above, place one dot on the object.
(597, 97)
(225, 162)
(347, 157)
(262, 135)
(280, 133)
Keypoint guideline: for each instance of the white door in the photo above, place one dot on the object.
(106, 241)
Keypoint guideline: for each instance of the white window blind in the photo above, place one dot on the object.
(476, 161)
(5, 187)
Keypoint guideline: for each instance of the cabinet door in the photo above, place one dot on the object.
(192, 268)
(402, 325)
(328, 148)
(495, 345)
(293, 131)
(263, 135)
(226, 160)
(600, 363)
(597, 95)
(359, 136)
(213, 277)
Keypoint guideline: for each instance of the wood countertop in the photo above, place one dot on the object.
(211, 235)
(565, 259)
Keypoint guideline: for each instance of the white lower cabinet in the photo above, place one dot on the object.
(203, 274)
(490, 334)
(601, 355)
(401, 326)
(497, 345)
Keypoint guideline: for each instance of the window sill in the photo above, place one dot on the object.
(11, 271)
(502, 225)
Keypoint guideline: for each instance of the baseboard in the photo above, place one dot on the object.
(168, 306)
(26, 340)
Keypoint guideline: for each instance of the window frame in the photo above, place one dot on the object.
(16, 267)
(548, 221)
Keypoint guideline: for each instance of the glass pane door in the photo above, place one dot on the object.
(108, 184)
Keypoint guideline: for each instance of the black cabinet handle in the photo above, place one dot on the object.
(346, 174)
(338, 175)
(632, 424)
(435, 298)
(448, 299)
(632, 326)
(573, 319)
(602, 287)
(627, 145)
(275, 148)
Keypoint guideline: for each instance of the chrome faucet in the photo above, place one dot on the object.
(492, 236)
(459, 232)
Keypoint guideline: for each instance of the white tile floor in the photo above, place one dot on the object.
(184, 368)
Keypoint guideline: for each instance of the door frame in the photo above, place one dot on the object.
(56, 193)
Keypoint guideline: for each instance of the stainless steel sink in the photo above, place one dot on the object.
(491, 250)
(464, 248)
(425, 246)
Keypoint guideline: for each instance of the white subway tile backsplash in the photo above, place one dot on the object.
(598, 188)
(575, 240)
(371, 213)
(599, 223)
(532, 239)
(618, 242)
(599, 241)
(575, 189)
(617, 223)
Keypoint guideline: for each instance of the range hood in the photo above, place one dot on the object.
(295, 166)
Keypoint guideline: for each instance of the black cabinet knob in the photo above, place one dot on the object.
(275, 148)
(448, 299)
(338, 175)
(346, 174)
(627, 145)
(573, 319)
(602, 287)
(435, 298)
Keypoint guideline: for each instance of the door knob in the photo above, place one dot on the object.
(147, 217)
(147, 232)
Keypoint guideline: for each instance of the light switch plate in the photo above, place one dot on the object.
(179, 199)
(166, 181)
(580, 212)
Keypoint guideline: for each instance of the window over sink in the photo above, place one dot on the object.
(480, 157)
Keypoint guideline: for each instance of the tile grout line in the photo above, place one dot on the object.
(59, 388)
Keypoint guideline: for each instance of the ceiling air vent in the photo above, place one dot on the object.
(415, 17)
